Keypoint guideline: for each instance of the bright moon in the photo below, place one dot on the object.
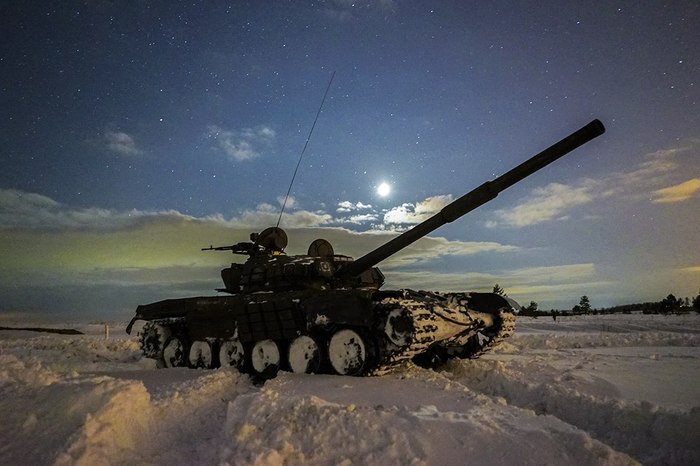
(383, 189)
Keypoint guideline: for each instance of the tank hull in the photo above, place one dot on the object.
(349, 332)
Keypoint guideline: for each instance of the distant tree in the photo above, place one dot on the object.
(498, 290)
(696, 303)
(670, 304)
(530, 309)
(584, 304)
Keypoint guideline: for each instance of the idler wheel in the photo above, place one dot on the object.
(349, 353)
(265, 356)
(174, 354)
(231, 354)
(201, 354)
(152, 338)
(304, 355)
(399, 327)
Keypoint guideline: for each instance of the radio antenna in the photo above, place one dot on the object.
(304, 149)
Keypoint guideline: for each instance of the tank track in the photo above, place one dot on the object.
(426, 327)
(443, 326)
(479, 344)
(155, 333)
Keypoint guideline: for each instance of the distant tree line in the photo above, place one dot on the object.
(669, 305)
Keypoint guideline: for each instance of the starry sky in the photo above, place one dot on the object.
(135, 133)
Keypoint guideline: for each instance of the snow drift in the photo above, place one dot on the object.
(593, 390)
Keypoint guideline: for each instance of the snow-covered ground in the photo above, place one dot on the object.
(581, 390)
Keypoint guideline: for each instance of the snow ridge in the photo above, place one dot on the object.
(584, 391)
(646, 431)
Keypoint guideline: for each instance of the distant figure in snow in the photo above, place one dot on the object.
(554, 316)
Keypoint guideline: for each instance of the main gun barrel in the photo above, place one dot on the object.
(475, 198)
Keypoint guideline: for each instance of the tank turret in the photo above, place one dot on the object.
(268, 268)
(325, 312)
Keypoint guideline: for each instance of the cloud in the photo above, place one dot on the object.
(291, 202)
(121, 143)
(31, 214)
(265, 215)
(547, 203)
(656, 164)
(432, 248)
(553, 274)
(347, 206)
(31, 211)
(556, 200)
(48, 243)
(415, 213)
(512, 279)
(244, 144)
(358, 219)
(15, 201)
(107, 260)
(677, 193)
(21, 210)
(545, 285)
(100, 260)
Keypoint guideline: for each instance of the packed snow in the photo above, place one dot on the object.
(582, 390)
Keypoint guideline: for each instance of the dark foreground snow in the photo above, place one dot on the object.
(593, 390)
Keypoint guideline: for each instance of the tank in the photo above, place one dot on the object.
(326, 313)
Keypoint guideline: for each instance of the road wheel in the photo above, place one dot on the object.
(350, 353)
(304, 355)
(201, 354)
(231, 354)
(174, 352)
(265, 357)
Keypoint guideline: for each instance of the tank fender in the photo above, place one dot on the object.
(168, 308)
(492, 303)
(344, 307)
(131, 323)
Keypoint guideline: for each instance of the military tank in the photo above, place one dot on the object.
(326, 313)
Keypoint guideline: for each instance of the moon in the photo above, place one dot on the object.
(384, 189)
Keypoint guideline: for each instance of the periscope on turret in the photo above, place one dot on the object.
(326, 313)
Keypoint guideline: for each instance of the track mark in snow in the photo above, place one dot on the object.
(651, 434)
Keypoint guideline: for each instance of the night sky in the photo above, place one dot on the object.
(135, 133)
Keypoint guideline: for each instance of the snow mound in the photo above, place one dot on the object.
(118, 414)
(648, 432)
(611, 390)
(394, 420)
(45, 415)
